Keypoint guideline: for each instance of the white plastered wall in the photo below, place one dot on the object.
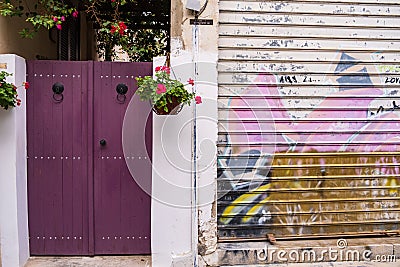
(14, 245)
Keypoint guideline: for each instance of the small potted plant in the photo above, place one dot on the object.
(167, 95)
(8, 92)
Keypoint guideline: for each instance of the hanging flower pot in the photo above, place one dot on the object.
(173, 107)
(166, 95)
(8, 92)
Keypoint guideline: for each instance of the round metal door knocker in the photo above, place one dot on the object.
(58, 89)
(121, 89)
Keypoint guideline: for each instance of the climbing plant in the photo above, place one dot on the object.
(140, 28)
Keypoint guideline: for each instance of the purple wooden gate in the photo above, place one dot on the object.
(82, 198)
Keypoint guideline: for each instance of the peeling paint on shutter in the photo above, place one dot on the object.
(309, 118)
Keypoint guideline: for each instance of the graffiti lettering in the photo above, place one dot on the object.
(288, 79)
(382, 109)
(298, 79)
(306, 79)
(389, 68)
(392, 80)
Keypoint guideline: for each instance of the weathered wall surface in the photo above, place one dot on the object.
(181, 30)
(308, 111)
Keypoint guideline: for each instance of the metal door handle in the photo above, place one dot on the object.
(103, 142)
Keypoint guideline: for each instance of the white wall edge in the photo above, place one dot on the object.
(14, 242)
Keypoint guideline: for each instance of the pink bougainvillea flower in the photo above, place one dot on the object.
(191, 81)
(26, 85)
(158, 68)
(55, 19)
(75, 14)
(59, 27)
(161, 88)
(62, 18)
(198, 99)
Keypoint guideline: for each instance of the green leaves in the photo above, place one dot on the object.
(27, 33)
(147, 89)
(8, 92)
(144, 44)
(41, 15)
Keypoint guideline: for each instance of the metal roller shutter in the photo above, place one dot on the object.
(309, 118)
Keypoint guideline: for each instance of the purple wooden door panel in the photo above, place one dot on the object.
(82, 197)
(57, 159)
(122, 213)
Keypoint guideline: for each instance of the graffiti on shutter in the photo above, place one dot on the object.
(309, 119)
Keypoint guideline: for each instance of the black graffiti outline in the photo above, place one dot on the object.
(381, 109)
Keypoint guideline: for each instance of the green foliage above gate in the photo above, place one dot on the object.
(139, 28)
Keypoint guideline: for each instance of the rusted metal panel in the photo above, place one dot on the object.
(309, 118)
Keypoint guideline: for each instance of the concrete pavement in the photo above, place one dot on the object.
(98, 261)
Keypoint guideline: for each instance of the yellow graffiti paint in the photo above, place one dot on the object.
(237, 205)
(307, 190)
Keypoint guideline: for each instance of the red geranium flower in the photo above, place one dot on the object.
(26, 85)
(122, 25)
(191, 81)
(166, 69)
(122, 28)
(113, 29)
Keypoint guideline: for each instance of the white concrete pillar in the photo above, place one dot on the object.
(171, 187)
(174, 224)
(14, 243)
